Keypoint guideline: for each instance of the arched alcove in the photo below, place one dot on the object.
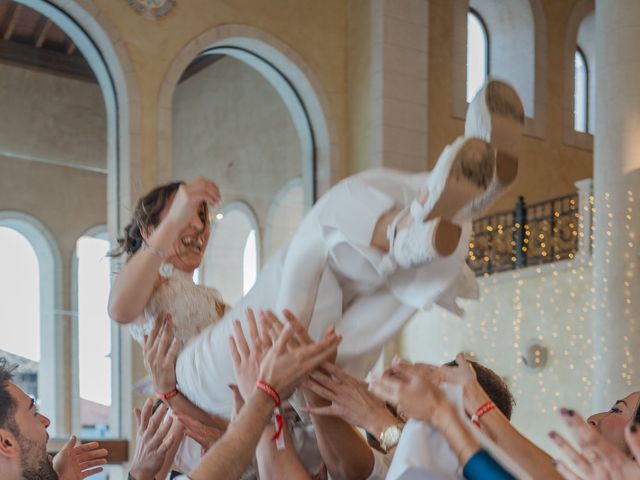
(51, 333)
(288, 74)
(517, 52)
(580, 37)
(224, 266)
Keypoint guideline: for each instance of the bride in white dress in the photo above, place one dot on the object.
(372, 251)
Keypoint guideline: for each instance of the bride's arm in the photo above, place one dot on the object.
(135, 283)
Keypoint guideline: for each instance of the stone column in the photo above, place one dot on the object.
(616, 303)
(399, 46)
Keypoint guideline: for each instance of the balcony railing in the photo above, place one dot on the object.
(529, 235)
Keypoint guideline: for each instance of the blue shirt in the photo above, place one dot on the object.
(482, 466)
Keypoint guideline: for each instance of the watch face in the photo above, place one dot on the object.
(391, 437)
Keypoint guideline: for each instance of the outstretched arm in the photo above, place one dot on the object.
(345, 452)
(160, 351)
(525, 453)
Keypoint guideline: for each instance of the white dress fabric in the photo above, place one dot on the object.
(327, 275)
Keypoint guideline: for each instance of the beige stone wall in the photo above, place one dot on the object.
(314, 30)
(53, 152)
(231, 125)
(548, 305)
(359, 84)
(52, 118)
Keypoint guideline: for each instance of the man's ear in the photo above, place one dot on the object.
(8, 444)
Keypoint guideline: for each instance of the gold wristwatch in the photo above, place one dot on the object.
(390, 436)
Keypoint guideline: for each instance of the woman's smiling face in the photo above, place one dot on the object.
(611, 424)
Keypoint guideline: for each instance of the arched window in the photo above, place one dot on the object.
(231, 261)
(20, 304)
(249, 262)
(29, 309)
(477, 53)
(94, 335)
(581, 120)
(512, 33)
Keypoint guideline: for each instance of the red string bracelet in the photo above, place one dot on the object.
(278, 437)
(270, 391)
(168, 395)
(483, 410)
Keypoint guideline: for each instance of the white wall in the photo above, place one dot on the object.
(549, 305)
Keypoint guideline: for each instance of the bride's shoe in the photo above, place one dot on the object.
(496, 115)
(422, 242)
(463, 172)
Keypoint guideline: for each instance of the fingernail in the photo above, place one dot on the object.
(633, 428)
(567, 412)
(571, 413)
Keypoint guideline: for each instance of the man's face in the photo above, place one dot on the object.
(31, 437)
(611, 424)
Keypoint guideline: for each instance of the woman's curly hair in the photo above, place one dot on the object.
(145, 216)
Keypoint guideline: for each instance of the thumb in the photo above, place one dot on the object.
(71, 443)
(238, 401)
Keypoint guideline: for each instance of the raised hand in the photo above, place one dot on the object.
(160, 352)
(205, 435)
(461, 374)
(247, 355)
(189, 199)
(350, 400)
(596, 458)
(408, 388)
(77, 461)
(154, 440)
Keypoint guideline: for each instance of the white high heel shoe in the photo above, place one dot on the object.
(422, 242)
(496, 115)
(463, 172)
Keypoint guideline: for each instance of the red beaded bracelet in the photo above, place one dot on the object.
(270, 391)
(168, 395)
(484, 409)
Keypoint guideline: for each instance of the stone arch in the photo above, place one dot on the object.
(288, 74)
(102, 46)
(223, 265)
(51, 309)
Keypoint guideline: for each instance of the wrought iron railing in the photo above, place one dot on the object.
(533, 234)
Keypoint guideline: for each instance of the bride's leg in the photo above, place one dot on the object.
(301, 271)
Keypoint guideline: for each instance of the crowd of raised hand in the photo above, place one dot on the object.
(406, 403)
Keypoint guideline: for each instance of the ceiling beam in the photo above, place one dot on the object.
(11, 20)
(41, 32)
(45, 60)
